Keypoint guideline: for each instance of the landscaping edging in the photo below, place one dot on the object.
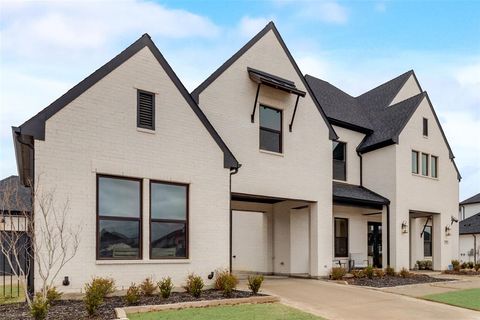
(123, 312)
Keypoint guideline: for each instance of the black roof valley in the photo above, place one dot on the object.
(470, 225)
(473, 199)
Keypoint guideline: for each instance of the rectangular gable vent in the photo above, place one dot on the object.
(146, 110)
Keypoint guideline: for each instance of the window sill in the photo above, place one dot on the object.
(272, 153)
(159, 261)
(145, 130)
(422, 176)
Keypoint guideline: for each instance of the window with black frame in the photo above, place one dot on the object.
(427, 241)
(169, 220)
(339, 161)
(270, 129)
(341, 237)
(119, 218)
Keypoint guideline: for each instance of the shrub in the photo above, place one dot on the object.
(477, 266)
(225, 281)
(133, 294)
(463, 265)
(194, 285)
(421, 264)
(456, 265)
(404, 273)
(379, 273)
(254, 283)
(39, 307)
(96, 291)
(358, 274)
(53, 295)
(428, 265)
(147, 287)
(369, 272)
(390, 271)
(470, 265)
(165, 286)
(337, 273)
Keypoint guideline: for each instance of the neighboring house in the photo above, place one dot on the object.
(469, 241)
(149, 177)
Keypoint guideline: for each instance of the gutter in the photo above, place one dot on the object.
(232, 172)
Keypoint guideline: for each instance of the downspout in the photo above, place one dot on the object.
(388, 235)
(232, 172)
(474, 248)
(361, 168)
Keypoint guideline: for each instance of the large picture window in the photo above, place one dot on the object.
(341, 237)
(270, 129)
(427, 241)
(119, 224)
(169, 220)
(339, 160)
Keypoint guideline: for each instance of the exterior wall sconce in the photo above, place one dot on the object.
(404, 227)
(447, 230)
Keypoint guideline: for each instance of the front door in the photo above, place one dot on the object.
(375, 243)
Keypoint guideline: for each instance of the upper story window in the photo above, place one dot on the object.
(339, 160)
(425, 127)
(119, 219)
(270, 129)
(424, 164)
(168, 225)
(415, 162)
(145, 110)
(434, 166)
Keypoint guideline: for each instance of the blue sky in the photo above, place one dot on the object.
(47, 47)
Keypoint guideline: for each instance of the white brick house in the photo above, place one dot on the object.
(149, 177)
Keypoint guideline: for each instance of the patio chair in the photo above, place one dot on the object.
(358, 261)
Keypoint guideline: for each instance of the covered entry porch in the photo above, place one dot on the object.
(360, 227)
(271, 235)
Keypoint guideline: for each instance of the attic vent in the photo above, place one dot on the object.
(145, 110)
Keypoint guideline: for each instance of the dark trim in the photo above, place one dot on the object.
(361, 168)
(427, 164)
(139, 125)
(35, 126)
(418, 161)
(425, 127)
(290, 126)
(186, 221)
(252, 116)
(357, 202)
(335, 237)
(344, 162)
(247, 197)
(388, 235)
(270, 26)
(273, 81)
(280, 132)
(113, 218)
(349, 126)
(376, 146)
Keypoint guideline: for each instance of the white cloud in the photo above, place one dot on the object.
(250, 26)
(326, 11)
(380, 6)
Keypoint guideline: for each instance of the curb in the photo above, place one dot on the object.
(122, 313)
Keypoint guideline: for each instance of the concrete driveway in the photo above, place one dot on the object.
(337, 301)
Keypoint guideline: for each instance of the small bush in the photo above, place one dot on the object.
(390, 271)
(470, 265)
(337, 273)
(428, 264)
(133, 294)
(358, 274)
(53, 295)
(463, 265)
(421, 264)
(404, 273)
(369, 272)
(194, 285)
(147, 287)
(226, 282)
(39, 307)
(254, 283)
(477, 267)
(379, 273)
(456, 265)
(96, 291)
(165, 286)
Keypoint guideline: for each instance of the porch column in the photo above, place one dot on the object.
(438, 236)
(321, 240)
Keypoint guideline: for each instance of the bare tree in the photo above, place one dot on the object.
(42, 235)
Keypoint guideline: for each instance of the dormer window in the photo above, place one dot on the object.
(270, 129)
(145, 110)
(339, 161)
(425, 127)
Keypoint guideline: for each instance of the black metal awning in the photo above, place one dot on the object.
(349, 194)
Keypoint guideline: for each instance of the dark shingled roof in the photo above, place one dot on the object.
(359, 194)
(474, 199)
(14, 196)
(470, 225)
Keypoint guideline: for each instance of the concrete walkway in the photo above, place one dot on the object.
(337, 301)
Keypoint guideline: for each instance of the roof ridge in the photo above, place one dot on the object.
(409, 72)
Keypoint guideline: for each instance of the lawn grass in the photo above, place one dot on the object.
(12, 294)
(273, 311)
(469, 298)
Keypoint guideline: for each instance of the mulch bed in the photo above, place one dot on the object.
(75, 309)
(390, 281)
(464, 272)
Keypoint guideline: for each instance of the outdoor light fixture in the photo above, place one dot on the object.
(404, 227)
(210, 276)
(447, 230)
(66, 281)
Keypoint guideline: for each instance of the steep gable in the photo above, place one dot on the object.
(35, 127)
(410, 88)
